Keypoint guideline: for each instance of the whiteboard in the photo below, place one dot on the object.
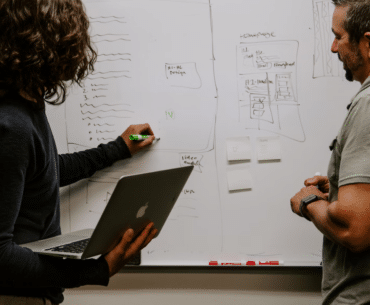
(205, 74)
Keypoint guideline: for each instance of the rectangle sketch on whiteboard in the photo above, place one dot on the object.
(153, 67)
(267, 76)
(326, 64)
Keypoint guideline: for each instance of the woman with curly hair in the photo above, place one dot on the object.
(45, 46)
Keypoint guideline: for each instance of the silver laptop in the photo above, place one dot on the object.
(136, 201)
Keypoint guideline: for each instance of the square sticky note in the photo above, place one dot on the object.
(268, 148)
(238, 149)
(239, 180)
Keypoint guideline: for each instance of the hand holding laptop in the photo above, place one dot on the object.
(127, 249)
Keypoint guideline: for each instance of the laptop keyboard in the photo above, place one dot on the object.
(75, 247)
(79, 247)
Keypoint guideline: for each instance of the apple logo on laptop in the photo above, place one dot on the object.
(141, 211)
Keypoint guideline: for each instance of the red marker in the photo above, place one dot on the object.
(248, 263)
(270, 263)
(231, 264)
(216, 263)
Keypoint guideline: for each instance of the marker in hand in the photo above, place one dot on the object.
(139, 137)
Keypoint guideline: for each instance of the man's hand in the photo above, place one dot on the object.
(304, 192)
(322, 182)
(136, 146)
(127, 249)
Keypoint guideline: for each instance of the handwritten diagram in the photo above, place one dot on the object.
(326, 64)
(138, 80)
(268, 97)
(154, 66)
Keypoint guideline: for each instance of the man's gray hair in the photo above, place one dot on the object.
(357, 22)
(345, 2)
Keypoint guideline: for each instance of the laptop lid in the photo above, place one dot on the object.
(136, 201)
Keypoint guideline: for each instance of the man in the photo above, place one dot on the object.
(340, 204)
(43, 45)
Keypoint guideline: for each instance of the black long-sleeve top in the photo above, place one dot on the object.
(31, 172)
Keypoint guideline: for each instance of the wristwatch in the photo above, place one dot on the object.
(306, 201)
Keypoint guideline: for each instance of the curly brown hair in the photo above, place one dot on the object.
(44, 44)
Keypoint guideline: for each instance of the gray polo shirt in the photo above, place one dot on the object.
(346, 275)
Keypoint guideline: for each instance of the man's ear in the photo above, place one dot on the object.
(367, 43)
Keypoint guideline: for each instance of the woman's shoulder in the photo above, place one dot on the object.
(16, 115)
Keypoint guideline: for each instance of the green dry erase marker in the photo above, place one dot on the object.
(139, 137)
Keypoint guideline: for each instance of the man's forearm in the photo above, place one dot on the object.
(318, 213)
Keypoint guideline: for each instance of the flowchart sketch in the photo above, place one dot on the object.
(326, 64)
(153, 67)
(267, 76)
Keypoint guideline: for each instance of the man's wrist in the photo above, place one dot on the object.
(305, 202)
(303, 209)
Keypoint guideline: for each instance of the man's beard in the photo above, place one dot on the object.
(355, 65)
(348, 75)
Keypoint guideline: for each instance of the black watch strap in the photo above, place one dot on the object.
(306, 201)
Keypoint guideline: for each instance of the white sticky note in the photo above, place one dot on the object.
(239, 149)
(239, 180)
(268, 148)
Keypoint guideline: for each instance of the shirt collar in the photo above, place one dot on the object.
(364, 86)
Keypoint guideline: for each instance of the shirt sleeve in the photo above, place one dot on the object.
(354, 143)
(20, 267)
(80, 165)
